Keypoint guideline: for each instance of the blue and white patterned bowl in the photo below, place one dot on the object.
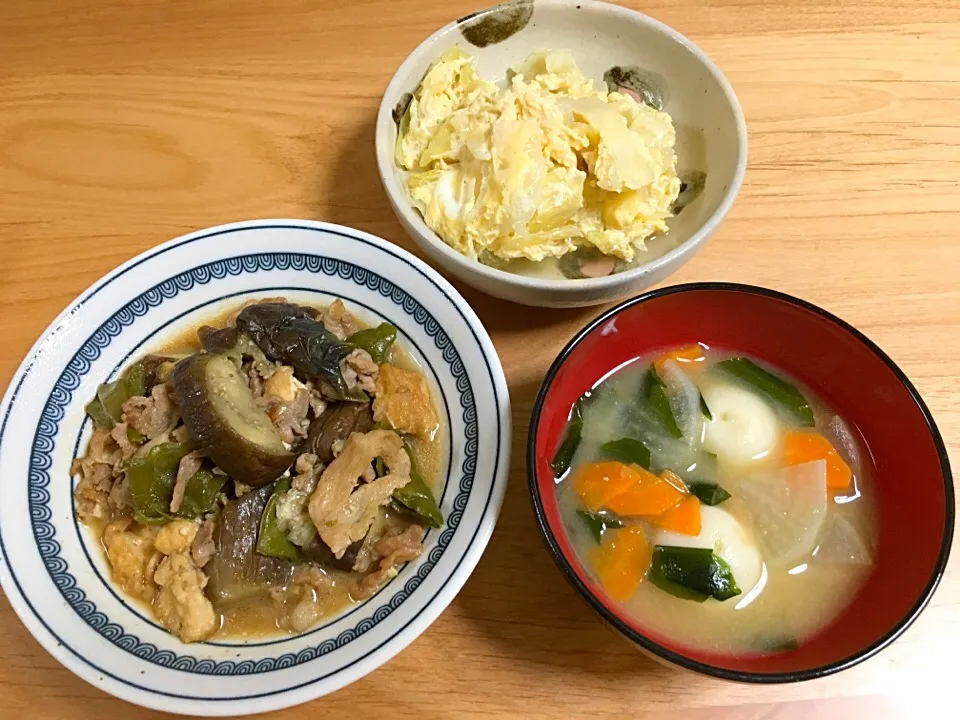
(50, 567)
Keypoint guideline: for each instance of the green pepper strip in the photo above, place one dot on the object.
(271, 540)
(151, 480)
(376, 341)
(416, 496)
(107, 408)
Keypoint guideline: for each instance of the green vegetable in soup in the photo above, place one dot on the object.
(678, 591)
(151, 480)
(654, 391)
(783, 643)
(708, 492)
(271, 540)
(107, 408)
(704, 410)
(627, 451)
(376, 341)
(417, 497)
(571, 439)
(780, 391)
(598, 523)
(692, 573)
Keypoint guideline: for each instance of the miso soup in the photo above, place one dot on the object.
(723, 506)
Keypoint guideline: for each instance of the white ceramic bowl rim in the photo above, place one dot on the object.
(397, 87)
(471, 375)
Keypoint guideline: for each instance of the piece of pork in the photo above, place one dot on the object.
(358, 368)
(395, 549)
(103, 448)
(290, 418)
(338, 320)
(204, 546)
(287, 402)
(301, 604)
(151, 416)
(92, 492)
(189, 465)
(120, 501)
(318, 403)
(98, 471)
(122, 439)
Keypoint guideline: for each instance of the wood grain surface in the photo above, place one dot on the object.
(124, 123)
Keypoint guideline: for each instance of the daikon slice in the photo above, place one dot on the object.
(684, 399)
(787, 510)
(841, 544)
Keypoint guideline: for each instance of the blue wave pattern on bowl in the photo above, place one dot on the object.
(47, 429)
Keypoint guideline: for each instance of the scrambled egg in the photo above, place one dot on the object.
(537, 170)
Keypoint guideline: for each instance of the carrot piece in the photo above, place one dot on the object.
(671, 477)
(597, 484)
(621, 561)
(627, 490)
(801, 446)
(650, 496)
(683, 518)
(686, 354)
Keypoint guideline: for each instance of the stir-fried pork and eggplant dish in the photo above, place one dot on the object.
(276, 471)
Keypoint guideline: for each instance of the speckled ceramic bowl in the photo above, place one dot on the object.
(711, 133)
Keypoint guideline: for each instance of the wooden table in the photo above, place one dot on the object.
(124, 123)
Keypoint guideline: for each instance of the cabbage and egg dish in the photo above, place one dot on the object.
(544, 168)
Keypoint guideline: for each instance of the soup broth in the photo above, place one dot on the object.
(723, 507)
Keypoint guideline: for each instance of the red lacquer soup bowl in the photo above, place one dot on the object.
(911, 473)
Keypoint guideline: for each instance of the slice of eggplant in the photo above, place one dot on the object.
(238, 572)
(218, 341)
(221, 415)
(318, 552)
(338, 422)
